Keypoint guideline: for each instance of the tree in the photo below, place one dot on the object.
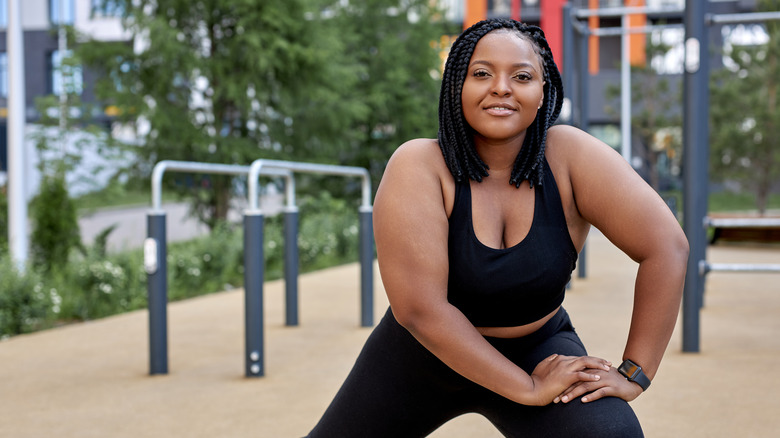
(230, 81)
(394, 42)
(744, 121)
(656, 120)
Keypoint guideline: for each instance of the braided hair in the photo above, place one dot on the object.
(456, 137)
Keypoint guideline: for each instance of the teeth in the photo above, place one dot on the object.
(499, 108)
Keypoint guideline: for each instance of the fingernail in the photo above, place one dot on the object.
(597, 377)
(565, 398)
(584, 399)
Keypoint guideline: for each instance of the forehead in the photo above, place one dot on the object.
(506, 46)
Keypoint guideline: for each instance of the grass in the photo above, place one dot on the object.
(721, 202)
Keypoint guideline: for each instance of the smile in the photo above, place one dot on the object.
(499, 110)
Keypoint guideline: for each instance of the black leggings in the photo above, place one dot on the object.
(399, 389)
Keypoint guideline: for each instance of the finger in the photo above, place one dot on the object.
(594, 362)
(580, 390)
(597, 394)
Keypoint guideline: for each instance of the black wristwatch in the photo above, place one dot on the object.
(634, 373)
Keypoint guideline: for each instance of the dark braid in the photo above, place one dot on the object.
(456, 137)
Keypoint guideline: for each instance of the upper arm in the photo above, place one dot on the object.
(411, 230)
(609, 194)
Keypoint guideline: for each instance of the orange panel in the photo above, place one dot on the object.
(637, 41)
(593, 40)
(476, 10)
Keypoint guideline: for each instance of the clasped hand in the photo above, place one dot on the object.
(561, 378)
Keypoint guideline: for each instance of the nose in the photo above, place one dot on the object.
(500, 86)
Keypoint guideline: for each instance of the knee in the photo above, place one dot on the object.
(606, 418)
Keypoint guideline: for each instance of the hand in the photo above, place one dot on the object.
(557, 374)
(610, 384)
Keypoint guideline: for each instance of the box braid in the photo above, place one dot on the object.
(456, 137)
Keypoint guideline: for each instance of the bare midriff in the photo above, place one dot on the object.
(517, 331)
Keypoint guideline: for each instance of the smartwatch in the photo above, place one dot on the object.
(634, 373)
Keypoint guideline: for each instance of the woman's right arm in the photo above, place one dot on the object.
(411, 233)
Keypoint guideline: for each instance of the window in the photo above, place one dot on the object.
(63, 77)
(3, 14)
(107, 8)
(3, 74)
(61, 11)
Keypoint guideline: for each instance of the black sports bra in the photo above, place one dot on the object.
(512, 286)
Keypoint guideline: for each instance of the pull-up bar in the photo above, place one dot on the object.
(155, 251)
(253, 254)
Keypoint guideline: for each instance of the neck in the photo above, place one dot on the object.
(501, 156)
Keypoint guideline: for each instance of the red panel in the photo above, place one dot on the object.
(551, 22)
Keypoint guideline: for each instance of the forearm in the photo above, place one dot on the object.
(657, 296)
(449, 335)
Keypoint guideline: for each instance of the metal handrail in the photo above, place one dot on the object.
(263, 164)
(757, 222)
(749, 17)
(225, 169)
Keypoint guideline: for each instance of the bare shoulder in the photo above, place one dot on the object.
(415, 175)
(418, 165)
(418, 154)
(570, 144)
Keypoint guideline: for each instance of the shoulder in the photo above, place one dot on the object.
(570, 149)
(418, 160)
(417, 169)
(424, 152)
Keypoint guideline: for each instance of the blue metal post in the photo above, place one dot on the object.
(568, 58)
(291, 262)
(366, 267)
(253, 294)
(695, 164)
(583, 86)
(157, 289)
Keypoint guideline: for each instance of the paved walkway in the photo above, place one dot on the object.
(90, 380)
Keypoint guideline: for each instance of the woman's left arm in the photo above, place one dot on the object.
(611, 196)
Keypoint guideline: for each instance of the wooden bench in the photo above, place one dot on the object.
(744, 228)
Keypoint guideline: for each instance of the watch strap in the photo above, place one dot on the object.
(635, 374)
(641, 379)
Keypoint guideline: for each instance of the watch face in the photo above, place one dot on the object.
(628, 369)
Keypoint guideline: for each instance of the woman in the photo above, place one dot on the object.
(477, 233)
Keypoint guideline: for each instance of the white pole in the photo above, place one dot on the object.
(62, 46)
(625, 91)
(17, 199)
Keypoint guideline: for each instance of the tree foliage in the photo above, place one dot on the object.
(656, 120)
(230, 81)
(744, 120)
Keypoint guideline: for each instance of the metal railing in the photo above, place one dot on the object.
(155, 251)
(253, 253)
(706, 267)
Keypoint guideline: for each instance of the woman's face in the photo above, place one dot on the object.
(503, 88)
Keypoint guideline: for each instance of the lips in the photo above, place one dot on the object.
(499, 109)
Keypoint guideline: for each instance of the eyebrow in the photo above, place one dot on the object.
(515, 65)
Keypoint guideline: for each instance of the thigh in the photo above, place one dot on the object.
(396, 388)
(608, 417)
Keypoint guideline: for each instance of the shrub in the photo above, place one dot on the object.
(24, 300)
(55, 223)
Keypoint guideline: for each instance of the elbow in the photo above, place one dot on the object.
(408, 317)
(419, 320)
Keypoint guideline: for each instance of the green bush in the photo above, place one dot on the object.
(24, 300)
(94, 284)
(55, 223)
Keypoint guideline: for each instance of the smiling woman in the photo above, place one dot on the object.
(477, 234)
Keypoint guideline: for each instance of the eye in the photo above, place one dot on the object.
(523, 77)
(480, 73)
